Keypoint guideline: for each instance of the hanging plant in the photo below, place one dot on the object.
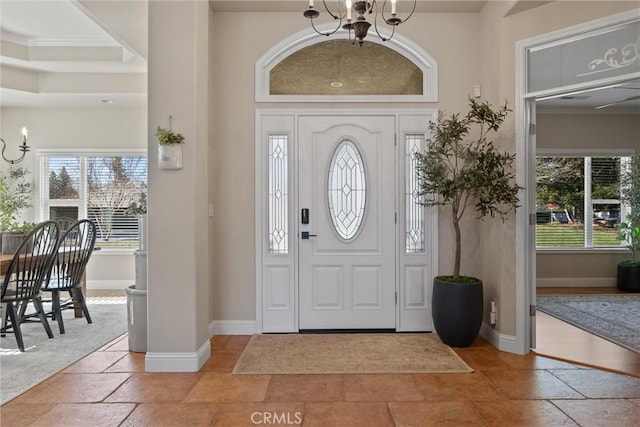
(168, 137)
(170, 148)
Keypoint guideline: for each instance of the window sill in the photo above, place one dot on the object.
(114, 252)
(582, 251)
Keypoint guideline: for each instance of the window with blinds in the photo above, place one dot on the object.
(99, 187)
(578, 201)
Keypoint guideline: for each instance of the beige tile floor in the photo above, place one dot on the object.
(110, 388)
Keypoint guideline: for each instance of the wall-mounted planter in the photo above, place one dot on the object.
(170, 156)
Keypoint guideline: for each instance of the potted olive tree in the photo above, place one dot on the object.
(15, 195)
(629, 231)
(465, 174)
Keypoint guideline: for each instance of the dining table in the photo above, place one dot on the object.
(5, 260)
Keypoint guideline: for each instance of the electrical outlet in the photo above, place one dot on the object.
(476, 91)
(493, 314)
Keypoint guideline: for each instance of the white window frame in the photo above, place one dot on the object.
(588, 201)
(42, 188)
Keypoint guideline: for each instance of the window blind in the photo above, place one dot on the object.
(97, 187)
(578, 201)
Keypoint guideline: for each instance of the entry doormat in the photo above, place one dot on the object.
(348, 354)
(613, 317)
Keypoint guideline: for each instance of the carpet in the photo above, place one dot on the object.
(348, 354)
(44, 357)
(613, 317)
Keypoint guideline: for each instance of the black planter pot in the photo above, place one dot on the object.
(457, 311)
(629, 278)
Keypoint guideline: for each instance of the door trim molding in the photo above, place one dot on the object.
(525, 158)
(286, 318)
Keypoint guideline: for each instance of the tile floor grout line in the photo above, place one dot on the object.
(551, 401)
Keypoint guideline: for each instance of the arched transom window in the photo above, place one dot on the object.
(308, 68)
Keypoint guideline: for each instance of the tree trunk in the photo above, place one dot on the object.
(456, 227)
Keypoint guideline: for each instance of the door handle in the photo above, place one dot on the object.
(305, 235)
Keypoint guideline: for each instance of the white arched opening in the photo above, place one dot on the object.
(303, 39)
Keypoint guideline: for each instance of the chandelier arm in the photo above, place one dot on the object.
(384, 39)
(13, 162)
(398, 21)
(340, 15)
(353, 41)
(372, 5)
(327, 33)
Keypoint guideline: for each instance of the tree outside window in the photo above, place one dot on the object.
(98, 187)
(578, 201)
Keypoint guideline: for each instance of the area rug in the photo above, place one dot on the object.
(613, 317)
(359, 353)
(44, 357)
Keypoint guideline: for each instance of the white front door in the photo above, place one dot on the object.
(346, 214)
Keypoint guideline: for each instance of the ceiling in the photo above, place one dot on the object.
(73, 53)
(92, 53)
(621, 98)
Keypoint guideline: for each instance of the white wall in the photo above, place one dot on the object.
(470, 48)
(178, 256)
(106, 127)
(500, 33)
(450, 38)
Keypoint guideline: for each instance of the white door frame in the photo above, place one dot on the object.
(525, 167)
(280, 313)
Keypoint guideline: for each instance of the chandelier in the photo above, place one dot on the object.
(24, 148)
(345, 11)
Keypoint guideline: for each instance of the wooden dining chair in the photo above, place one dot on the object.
(65, 223)
(29, 267)
(76, 245)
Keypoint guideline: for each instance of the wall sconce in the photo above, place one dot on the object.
(24, 148)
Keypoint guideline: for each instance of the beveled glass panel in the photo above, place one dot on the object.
(414, 220)
(347, 189)
(278, 195)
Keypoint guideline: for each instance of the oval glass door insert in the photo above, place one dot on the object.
(346, 189)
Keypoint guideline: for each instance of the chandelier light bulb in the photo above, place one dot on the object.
(358, 28)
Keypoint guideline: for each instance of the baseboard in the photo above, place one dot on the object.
(178, 362)
(109, 284)
(232, 327)
(576, 282)
(502, 342)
